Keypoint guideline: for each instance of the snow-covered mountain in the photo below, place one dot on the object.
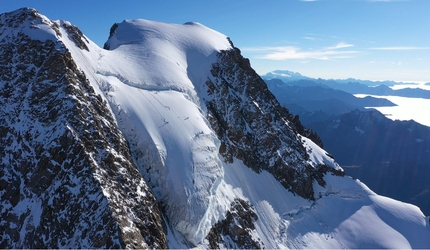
(67, 178)
(288, 76)
(166, 137)
(285, 75)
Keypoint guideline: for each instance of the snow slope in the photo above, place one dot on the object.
(151, 83)
(152, 78)
(345, 215)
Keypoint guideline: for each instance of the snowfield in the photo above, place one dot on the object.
(153, 79)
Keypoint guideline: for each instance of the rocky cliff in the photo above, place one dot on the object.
(67, 178)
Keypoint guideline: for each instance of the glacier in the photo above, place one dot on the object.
(153, 76)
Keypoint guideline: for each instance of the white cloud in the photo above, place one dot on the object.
(293, 52)
(401, 48)
(341, 45)
(308, 0)
(309, 38)
(325, 37)
(387, 1)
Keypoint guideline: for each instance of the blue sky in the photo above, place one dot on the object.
(365, 39)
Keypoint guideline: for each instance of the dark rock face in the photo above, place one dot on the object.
(111, 33)
(234, 231)
(66, 175)
(255, 128)
(16, 18)
(76, 36)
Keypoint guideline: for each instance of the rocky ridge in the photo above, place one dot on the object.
(67, 178)
(256, 129)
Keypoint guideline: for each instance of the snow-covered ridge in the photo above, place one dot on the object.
(162, 55)
(190, 35)
(284, 75)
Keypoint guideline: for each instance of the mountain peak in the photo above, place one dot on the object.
(285, 72)
(146, 32)
(30, 22)
(25, 11)
(284, 75)
(188, 50)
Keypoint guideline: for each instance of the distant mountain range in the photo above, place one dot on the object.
(392, 157)
(316, 96)
(349, 85)
(288, 76)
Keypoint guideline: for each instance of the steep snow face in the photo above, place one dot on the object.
(349, 215)
(318, 156)
(151, 79)
(345, 214)
(163, 66)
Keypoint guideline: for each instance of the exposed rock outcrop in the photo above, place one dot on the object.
(234, 232)
(255, 128)
(66, 175)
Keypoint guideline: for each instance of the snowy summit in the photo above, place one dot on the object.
(187, 50)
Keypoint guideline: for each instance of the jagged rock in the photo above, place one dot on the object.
(234, 232)
(76, 36)
(67, 176)
(255, 128)
(112, 31)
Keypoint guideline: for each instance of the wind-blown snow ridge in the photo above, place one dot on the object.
(184, 36)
